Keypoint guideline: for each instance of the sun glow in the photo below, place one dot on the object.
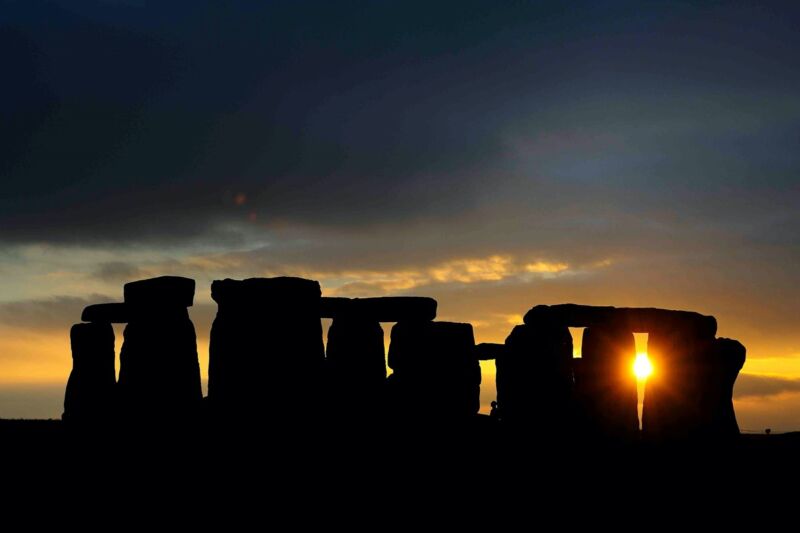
(642, 366)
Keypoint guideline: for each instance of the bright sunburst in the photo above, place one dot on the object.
(642, 366)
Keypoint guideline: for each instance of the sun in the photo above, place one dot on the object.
(642, 366)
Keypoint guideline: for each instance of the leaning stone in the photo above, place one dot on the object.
(114, 313)
(171, 291)
(385, 309)
(90, 393)
(728, 357)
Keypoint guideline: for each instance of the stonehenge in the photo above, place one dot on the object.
(688, 397)
(268, 360)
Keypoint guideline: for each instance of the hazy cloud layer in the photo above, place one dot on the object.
(753, 385)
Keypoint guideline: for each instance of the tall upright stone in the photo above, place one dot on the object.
(605, 384)
(90, 395)
(356, 358)
(159, 371)
(534, 378)
(727, 358)
(674, 406)
(266, 353)
(437, 375)
(356, 368)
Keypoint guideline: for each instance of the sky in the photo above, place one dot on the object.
(493, 155)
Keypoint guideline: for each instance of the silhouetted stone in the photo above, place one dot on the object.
(114, 313)
(159, 377)
(90, 394)
(728, 357)
(633, 319)
(534, 379)
(674, 405)
(266, 352)
(170, 291)
(436, 375)
(356, 368)
(605, 384)
(385, 309)
(488, 351)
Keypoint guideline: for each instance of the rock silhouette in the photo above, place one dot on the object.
(534, 378)
(159, 377)
(385, 309)
(488, 351)
(266, 353)
(90, 395)
(729, 357)
(114, 313)
(604, 384)
(267, 359)
(436, 375)
(639, 320)
(356, 368)
(355, 354)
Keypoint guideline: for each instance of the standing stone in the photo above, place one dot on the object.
(605, 383)
(728, 357)
(266, 353)
(89, 397)
(356, 368)
(159, 376)
(534, 378)
(674, 394)
(436, 375)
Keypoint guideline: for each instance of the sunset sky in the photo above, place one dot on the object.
(493, 155)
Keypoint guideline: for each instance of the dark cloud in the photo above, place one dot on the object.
(753, 385)
(135, 122)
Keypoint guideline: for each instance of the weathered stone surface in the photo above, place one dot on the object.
(436, 371)
(114, 313)
(488, 351)
(266, 349)
(630, 318)
(355, 369)
(605, 384)
(90, 394)
(171, 291)
(385, 309)
(534, 378)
